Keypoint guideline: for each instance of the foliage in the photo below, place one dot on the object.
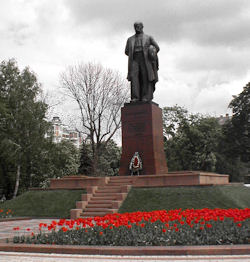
(240, 123)
(197, 142)
(85, 166)
(157, 228)
(108, 159)
(23, 126)
(62, 159)
(99, 93)
(27, 157)
(149, 199)
(192, 140)
(44, 203)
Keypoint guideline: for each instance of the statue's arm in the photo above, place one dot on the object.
(127, 48)
(154, 44)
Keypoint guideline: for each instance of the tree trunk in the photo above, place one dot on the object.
(18, 172)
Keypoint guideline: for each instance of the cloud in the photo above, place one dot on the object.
(204, 56)
(214, 22)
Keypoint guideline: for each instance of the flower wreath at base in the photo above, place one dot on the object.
(135, 164)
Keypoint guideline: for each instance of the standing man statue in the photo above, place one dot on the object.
(143, 66)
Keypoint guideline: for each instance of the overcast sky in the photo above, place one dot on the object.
(204, 45)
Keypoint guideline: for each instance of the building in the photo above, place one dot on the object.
(223, 119)
(62, 132)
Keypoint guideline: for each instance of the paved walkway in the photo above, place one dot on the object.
(29, 257)
(6, 228)
(6, 231)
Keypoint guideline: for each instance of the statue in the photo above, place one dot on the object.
(142, 50)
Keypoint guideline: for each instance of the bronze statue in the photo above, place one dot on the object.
(142, 50)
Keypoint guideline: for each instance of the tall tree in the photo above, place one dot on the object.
(99, 93)
(23, 124)
(240, 123)
(192, 140)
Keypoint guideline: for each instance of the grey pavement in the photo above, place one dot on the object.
(6, 231)
(30, 257)
(6, 228)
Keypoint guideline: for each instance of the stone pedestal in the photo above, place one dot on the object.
(142, 132)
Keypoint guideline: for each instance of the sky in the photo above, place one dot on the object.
(204, 45)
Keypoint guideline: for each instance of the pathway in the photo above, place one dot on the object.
(38, 257)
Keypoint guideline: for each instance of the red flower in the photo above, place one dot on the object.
(28, 229)
(201, 228)
(142, 225)
(239, 225)
(177, 229)
(16, 228)
(208, 225)
(64, 229)
(101, 233)
(164, 230)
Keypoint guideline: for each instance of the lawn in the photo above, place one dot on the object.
(149, 199)
(56, 203)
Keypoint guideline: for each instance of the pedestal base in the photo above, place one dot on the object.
(142, 132)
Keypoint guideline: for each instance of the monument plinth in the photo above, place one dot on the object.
(142, 132)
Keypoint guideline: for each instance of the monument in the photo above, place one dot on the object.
(142, 131)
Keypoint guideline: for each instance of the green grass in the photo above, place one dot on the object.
(56, 203)
(149, 199)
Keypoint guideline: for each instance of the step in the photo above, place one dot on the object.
(108, 187)
(94, 214)
(109, 190)
(97, 210)
(100, 194)
(99, 202)
(105, 205)
(94, 198)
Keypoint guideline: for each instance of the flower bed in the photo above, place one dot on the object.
(5, 213)
(157, 228)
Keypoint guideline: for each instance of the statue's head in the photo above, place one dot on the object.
(138, 27)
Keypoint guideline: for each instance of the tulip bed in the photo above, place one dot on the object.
(5, 213)
(156, 228)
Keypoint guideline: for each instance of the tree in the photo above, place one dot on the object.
(234, 147)
(193, 140)
(23, 124)
(85, 167)
(240, 123)
(109, 159)
(59, 160)
(100, 94)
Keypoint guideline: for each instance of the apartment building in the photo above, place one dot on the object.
(63, 132)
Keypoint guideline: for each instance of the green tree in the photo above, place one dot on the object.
(23, 124)
(85, 167)
(234, 148)
(109, 159)
(59, 160)
(191, 140)
(240, 123)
